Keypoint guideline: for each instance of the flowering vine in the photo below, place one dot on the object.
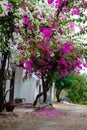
(44, 34)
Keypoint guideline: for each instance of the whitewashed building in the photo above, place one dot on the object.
(27, 89)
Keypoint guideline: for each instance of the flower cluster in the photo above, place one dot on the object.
(48, 112)
(41, 35)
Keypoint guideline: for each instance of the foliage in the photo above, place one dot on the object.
(43, 33)
(47, 32)
(77, 93)
(7, 28)
(64, 82)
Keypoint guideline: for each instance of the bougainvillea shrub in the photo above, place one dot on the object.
(45, 35)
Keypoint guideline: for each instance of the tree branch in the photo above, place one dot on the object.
(40, 94)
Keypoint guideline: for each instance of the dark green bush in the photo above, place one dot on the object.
(61, 84)
(77, 92)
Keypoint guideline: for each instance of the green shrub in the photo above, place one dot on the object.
(77, 93)
(61, 84)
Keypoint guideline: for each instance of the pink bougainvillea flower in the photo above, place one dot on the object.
(46, 111)
(85, 64)
(30, 27)
(50, 52)
(82, 30)
(47, 32)
(25, 19)
(58, 3)
(63, 73)
(25, 1)
(85, 1)
(28, 64)
(71, 25)
(17, 27)
(50, 1)
(9, 6)
(63, 61)
(67, 48)
(43, 46)
(40, 16)
(51, 21)
(49, 67)
(41, 28)
(21, 52)
(62, 18)
(28, 67)
(80, 56)
(76, 11)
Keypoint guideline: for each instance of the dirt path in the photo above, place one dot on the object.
(72, 117)
(73, 108)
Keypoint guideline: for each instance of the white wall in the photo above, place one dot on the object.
(18, 82)
(27, 89)
(24, 89)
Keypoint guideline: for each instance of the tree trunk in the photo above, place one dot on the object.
(47, 84)
(58, 91)
(2, 81)
(45, 93)
(39, 95)
(11, 96)
(45, 97)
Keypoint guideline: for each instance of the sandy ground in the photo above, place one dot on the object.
(72, 117)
